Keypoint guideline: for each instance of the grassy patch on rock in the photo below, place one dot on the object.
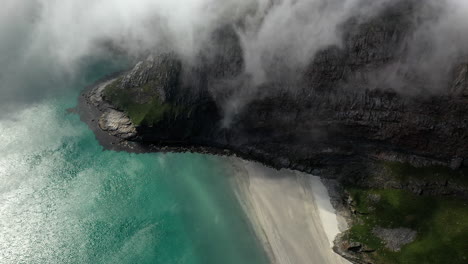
(441, 225)
(149, 113)
(405, 172)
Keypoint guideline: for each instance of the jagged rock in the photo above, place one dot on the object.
(352, 251)
(354, 247)
(117, 124)
(157, 76)
(395, 238)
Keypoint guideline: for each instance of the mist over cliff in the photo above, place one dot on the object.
(279, 38)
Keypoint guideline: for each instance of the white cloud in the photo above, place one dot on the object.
(43, 37)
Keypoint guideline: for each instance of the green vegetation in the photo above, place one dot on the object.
(405, 172)
(441, 223)
(149, 113)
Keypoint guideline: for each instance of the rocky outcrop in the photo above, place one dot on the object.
(339, 113)
(352, 251)
(117, 124)
(152, 77)
(395, 238)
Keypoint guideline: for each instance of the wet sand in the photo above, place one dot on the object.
(290, 213)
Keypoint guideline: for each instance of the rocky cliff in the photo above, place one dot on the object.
(339, 110)
(359, 114)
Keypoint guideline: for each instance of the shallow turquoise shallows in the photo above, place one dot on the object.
(63, 199)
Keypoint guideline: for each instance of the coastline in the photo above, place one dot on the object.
(316, 201)
(290, 211)
(269, 225)
(90, 111)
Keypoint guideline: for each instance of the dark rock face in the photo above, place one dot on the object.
(152, 77)
(352, 251)
(342, 120)
(341, 115)
(222, 58)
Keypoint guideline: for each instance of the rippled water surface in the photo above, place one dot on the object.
(63, 199)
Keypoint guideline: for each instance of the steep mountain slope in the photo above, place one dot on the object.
(340, 107)
(367, 114)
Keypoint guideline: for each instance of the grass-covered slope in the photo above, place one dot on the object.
(144, 93)
(405, 173)
(440, 222)
(148, 113)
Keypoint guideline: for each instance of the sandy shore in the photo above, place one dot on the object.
(290, 212)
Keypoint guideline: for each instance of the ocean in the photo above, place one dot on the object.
(64, 199)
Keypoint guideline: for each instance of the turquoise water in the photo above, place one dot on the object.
(63, 199)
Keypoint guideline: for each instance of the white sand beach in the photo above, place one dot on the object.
(290, 212)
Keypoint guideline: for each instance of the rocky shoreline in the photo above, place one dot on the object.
(94, 111)
(328, 118)
(336, 121)
(112, 127)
